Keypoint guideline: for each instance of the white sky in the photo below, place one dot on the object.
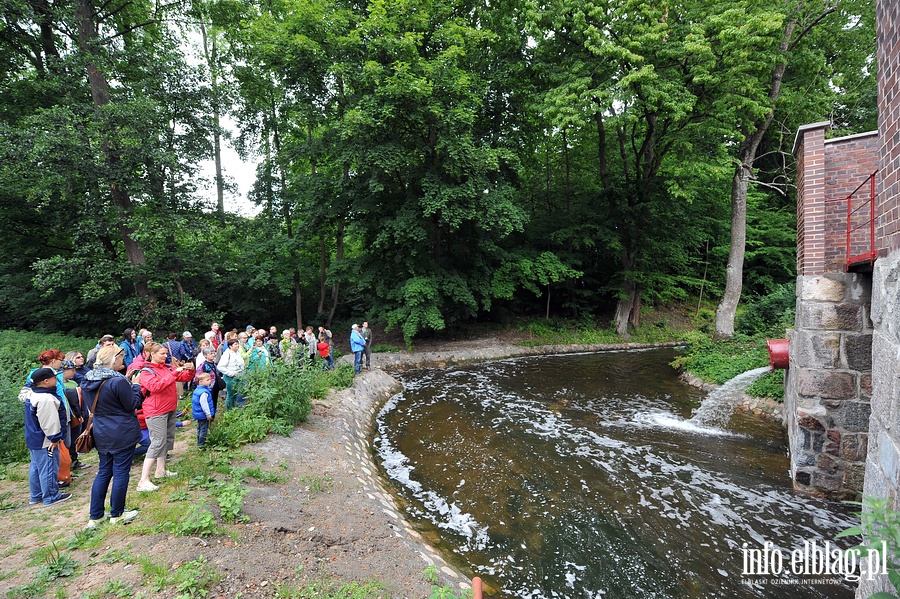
(235, 171)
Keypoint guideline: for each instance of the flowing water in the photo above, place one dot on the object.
(585, 476)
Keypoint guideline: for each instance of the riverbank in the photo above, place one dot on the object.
(326, 522)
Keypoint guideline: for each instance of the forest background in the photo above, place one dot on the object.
(421, 163)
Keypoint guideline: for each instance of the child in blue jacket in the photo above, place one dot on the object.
(203, 406)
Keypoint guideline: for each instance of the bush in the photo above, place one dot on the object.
(18, 354)
(280, 392)
(720, 361)
(769, 315)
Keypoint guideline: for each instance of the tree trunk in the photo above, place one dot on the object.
(212, 60)
(338, 256)
(629, 300)
(298, 304)
(323, 262)
(734, 276)
(740, 184)
(625, 307)
(87, 37)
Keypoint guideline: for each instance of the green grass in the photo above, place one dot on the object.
(718, 361)
(563, 332)
(332, 590)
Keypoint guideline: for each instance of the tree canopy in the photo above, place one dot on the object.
(420, 162)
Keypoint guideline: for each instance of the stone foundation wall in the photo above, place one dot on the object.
(829, 384)
(883, 463)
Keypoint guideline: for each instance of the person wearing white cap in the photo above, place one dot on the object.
(190, 346)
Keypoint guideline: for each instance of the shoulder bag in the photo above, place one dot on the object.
(85, 441)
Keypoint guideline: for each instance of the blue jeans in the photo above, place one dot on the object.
(143, 445)
(116, 467)
(357, 360)
(43, 474)
(202, 431)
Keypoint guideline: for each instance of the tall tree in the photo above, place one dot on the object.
(758, 102)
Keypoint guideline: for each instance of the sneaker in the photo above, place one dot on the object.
(167, 474)
(63, 484)
(126, 517)
(146, 487)
(79, 465)
(62, 497)
(94, 524)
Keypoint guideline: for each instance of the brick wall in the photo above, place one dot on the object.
(810, 152)
(849, 163)
(888, 40)
(827, 172)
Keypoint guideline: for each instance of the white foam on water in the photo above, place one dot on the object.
(716, 409)
(443, 513)
(668, 420)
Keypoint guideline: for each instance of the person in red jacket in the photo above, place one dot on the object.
(157, 380)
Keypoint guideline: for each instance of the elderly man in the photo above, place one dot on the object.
(190, 349)
(45, 429)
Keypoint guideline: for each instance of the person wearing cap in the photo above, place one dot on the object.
(190, 348)
(45, 428)
(357, 346)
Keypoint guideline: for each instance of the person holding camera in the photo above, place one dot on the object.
(158, 385)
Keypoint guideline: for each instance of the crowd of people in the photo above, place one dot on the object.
(125, 394)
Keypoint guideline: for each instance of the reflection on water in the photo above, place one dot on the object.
(577, 476)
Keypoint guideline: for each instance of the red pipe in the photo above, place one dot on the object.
(476, 588)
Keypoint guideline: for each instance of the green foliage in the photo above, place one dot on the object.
(880, 530)
(720, 361)
(771, 314)
(57, 565)
(333, 590)
(235, 428)
(230, 497)
(113, 588)
(317, 484)
(770, 385)
(191, 579)
(384, 348)
(197, 521)
(19, 351)
(280, 392)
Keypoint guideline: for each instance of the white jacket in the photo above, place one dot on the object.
(231, 363)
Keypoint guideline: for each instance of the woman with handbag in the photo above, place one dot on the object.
(115, 431)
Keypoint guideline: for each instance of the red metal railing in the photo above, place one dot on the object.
(860, 238)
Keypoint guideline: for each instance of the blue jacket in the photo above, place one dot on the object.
(116, 426)
(131, 351)
(189, 349)
(357, 343)
(45, 418)
(201, 402)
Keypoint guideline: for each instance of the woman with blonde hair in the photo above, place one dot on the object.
(116, 432)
